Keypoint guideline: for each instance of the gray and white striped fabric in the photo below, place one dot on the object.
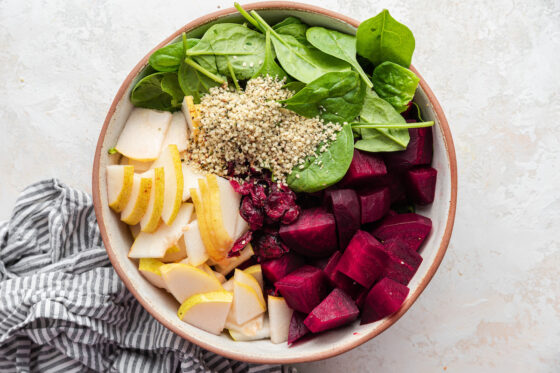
(63, 307)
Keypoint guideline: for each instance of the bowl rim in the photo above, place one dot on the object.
(447, 140)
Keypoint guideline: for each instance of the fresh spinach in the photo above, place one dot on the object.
(167, 58)
(299, 60)
(407, 125)
(395, 84)
(196, 81)
(327, 168)
(294, 86)
(297, 30)
(336, 97)
(232, 43)
(269, 66)
(382, 38)
(159, 91)
(339, 45)
(287, 21)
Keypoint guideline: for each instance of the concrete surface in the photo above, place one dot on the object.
(494, 304)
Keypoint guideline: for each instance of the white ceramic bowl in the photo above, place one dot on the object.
(163, 307)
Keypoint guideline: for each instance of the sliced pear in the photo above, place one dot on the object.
(217, 218)
(154, 245)
(280, 316)
(184, 280)
(245, 278)
(250, 328)
(151, 219)
(246, 303)
(134, 230)
(190, 179)
(175, 253)
(196, 251)
(119, 186)
(262, 333)
(191, 113)
(230, 202)
(256, 272)
(170, 160)
(227, 265)
(138, 201)
(177, 132)
(207, 311)
(139, 166)
(204, 229)
(241, 227)
(143, 134)
(206, 268)
(228, 285)
(150, 268)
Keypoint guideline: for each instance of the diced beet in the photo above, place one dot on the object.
(421, 184)
(374, 203)
(345, 206)
(297, 328)
(397, 190)
(401, 262)
(320, 263)
(360, 261)
(335, 310)
(276, 269)
(313, 234)
(304, 288)
(361, 298)
(384, 298)
(364, 169)
(418, 152)
(411, 228)
(340, 280)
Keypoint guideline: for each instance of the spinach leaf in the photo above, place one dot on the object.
(196, 81)
(287, 21)
(336, 97)
(299, 60)
(339, 45)
(297, 30)
(159, 91)
(377, 110)
(232, 43)
(294, 86)
(167, 58)
(382, 38)
(270, 67)
(395, 84)
(327, 168)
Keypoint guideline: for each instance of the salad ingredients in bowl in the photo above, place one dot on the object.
(270, 174)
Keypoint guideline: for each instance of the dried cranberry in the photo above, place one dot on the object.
(291, 215)
(258, 195)
(243, 189)
(277, 204)
(240, 244)
(269, 246)
(252, 214)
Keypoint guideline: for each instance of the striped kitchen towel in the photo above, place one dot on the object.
(64, 309)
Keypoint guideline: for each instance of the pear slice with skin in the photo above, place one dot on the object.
(245, 278)
(119, 186)
(170, 160)
(206, 216)
(139, 166)
(250, 328)
(177, 132)
(175, 253)
(207, 311)
(199, 207)
(256, 272)
(246, 303)
(184, 280)
(223, 237)
(138, 201)
(196, 251)
(143, 134)
(262, 333)
(227, 265)
(150, 269)
(230, 202)
(151, 219)
(280, 316)
(190, 179)
(155, 245)
(206, 268)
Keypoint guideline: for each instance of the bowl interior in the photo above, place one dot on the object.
(118, 239)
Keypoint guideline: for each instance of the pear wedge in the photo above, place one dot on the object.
(155, 245)
(184, 281)
(206, 268)
(143, 134)
(207, 311)
(246, 303)
(177, 132)
(170, 160)
(203, 226)
(119, 186)
(151, 219)
(191, 113)
(196, 251)
(256, 272)
(262, 333)
(245, 278)
(230, 202)
(150, 269)
(280, 316)
(176, 252)
(227, 265)
(190, 178)
(138, 201)
(218, 219)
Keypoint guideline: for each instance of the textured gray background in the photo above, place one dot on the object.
(494, 304)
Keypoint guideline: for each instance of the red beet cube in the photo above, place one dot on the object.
(384, 298)
(364, 169)
(375, 203)
(401, 262)
(335, 310)
(345, 205)
(418, 152)
(411, 228)
(297, 328)
(340, 280)
(421, 184)
(276, 269)
(304, 288)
